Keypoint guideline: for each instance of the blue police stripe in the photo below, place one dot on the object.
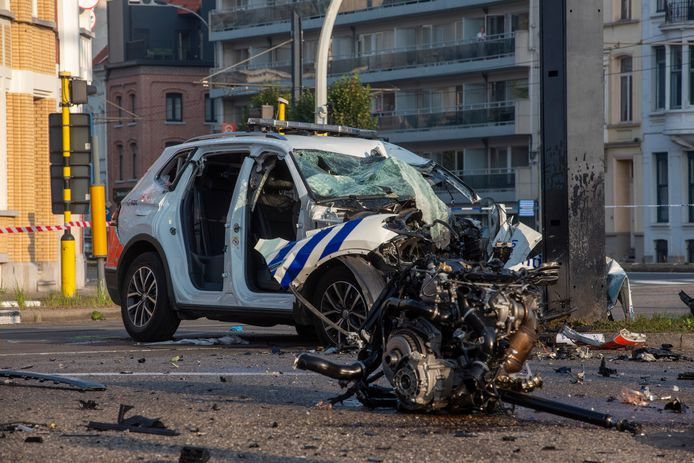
(302, 256)
(340, 237)
(282, 254)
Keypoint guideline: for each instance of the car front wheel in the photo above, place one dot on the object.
(338, 297)
(145, 306)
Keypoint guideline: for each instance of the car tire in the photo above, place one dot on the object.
(145, 306)
(340, 298)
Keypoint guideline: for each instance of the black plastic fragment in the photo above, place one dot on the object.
(34, 439)
(675, 406)
(604, 371)
(191, 454)
(137, 423)
(687, 375)
(79, 384)
(88, 404)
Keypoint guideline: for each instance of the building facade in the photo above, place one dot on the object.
(38, 38)
(623, 131)
(157, 58)
(668, 130)
(454, 81)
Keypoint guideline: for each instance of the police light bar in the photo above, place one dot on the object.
(310, 127)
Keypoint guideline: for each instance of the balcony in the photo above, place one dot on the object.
(503, 118)
(273, 16)
(500, 179)
(394, 64)
(679, 11)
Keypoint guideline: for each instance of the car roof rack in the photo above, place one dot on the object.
(310, 127)
(213, 136)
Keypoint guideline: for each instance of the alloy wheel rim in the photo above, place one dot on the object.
(344, 305)
(142, 296)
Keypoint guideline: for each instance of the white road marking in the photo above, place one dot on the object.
(81, 352)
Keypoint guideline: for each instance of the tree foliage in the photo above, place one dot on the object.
(350, 103)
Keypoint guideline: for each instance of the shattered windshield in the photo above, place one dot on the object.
(333, 175)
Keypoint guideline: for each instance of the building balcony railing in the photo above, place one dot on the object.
(489, 179)
(484, 114)
(276, 11)
(679, 11)
(384, 60)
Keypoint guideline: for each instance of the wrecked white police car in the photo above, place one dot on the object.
(256, 227)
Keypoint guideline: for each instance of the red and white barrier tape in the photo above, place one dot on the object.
(44, 228)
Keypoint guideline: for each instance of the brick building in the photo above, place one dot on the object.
(157, 57)
(33, 36)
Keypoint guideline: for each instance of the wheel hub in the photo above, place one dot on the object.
(142, 296)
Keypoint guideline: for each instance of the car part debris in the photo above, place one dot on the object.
(34, 439)
(228, 340)
(689, 301)
(137, 423)
(650, 354)
(633, 397)
(88, 405)
(19, 427)
(604, 371)
(568, 411)
(78, 384)
(624, 338)
(675, 406)
(618, 290)
(447, 334)
(687, 376)
(191, 454)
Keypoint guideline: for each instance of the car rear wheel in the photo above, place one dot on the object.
(145, 306)
(339, 297)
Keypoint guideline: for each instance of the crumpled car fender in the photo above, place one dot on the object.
(292, 262)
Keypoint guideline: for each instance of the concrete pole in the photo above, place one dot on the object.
(573, 179)
(322, 62)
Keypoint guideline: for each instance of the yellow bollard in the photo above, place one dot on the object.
(282, 111)
(97, 194)
(67, 264)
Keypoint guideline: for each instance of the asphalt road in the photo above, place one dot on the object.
(246, 403)
(658, 292)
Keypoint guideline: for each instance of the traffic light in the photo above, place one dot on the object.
(80, 161)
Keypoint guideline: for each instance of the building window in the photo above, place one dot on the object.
(660, 5)
(119, 109)
(690, 184)
(661, 187)
(119, 148)
(625, 90)
(659, 77)
(690, 251)
(675, 76)
(691, 75)
(132, 108)
(625, 9)
(133, 151)
(174, 107)
(209, 109)
(661, 251)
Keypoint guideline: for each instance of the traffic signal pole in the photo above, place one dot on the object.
(67, 241)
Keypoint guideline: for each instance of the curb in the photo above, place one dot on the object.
(679, 341)
(66, 315)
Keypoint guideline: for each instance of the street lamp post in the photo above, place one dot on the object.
(322, 62)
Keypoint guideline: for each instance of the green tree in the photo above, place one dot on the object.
(350, 103)
(304, 110)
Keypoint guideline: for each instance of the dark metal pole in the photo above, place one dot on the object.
(297, 58)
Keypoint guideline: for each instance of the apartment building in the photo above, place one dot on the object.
(38, 38)
(157, 58)
(668, 130)
(623, 132)
(454, 81)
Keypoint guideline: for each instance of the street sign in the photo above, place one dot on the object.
(79, 184)
(526, 208)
